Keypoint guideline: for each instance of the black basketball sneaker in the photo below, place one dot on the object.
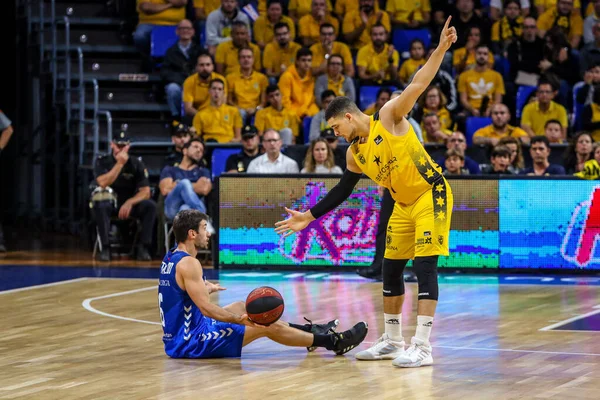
(345, 341)
(323, 329)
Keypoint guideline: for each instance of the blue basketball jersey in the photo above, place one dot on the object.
(186, 332)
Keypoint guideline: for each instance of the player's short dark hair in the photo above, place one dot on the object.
(340, 106)
(540, 139)
(280, 25)
(216, 80)
(327, 93)
(198, 140)
(185, 221)
(272, 88)
(552, 121)
(303, 52)
(501, 151)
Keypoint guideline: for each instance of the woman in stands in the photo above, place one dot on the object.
(516, 153)
(578, 152)
(433, 101)
(319, 159)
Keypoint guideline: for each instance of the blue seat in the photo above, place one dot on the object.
(368, 94)
(219, 159)
(502, 66)
(577, 108)
(402, 37)
(523, 94)
(161, 38)
(473, 124)
(306, 129)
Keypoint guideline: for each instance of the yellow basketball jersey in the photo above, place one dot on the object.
(398, 163)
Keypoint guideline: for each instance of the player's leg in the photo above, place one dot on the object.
(432, 215)
(281, 332)
(399, 249)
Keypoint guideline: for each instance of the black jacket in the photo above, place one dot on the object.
(175, 67)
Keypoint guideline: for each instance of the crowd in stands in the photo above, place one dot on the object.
(257, 72)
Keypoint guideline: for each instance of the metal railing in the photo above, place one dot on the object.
(96, 122)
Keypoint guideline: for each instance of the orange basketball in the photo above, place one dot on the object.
(264, 305)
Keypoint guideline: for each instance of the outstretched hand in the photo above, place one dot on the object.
(295, 223)
(448, 35)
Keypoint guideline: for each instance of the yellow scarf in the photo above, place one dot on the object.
(509, 30)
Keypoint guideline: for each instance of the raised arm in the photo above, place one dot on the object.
(395, 110)
(335, 197)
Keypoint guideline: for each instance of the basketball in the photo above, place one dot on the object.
(264, 305)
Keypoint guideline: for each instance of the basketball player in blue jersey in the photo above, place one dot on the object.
(193, 327)
(386, 149)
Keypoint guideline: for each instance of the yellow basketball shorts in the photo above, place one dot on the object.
(423, 228)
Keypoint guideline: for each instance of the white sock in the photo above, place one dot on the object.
(393, 326)
(424, 324)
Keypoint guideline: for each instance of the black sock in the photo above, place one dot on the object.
(321, 340)
(305, 328)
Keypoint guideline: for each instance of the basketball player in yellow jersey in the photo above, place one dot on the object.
(386, 149)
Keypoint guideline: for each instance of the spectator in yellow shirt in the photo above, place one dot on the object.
(499, 128)
(409, 14)
(325, 48)
(227, 52)
(246, 86)
(201, 10)
(378, 61)
(277, 117)
(537, 113)
(433, 132)
(464, 57)
(358, 23)
(509, 28)
(335, 80)
(545, 5)
(153, 13)
(564, 17)
(310, 24)
(297, 86)
(195, 87)
(218, 122)
(433, 101)
(479, 88)
(280, 54)
(299, 8)
(265, 24)
(416, 61)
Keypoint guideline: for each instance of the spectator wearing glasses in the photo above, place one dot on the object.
(458, 142)
(272, 161)
(537, 113)
(179, 63)
(327, 47)
(277, 117)
(318, 123)
(280, 53)
(319, 159)
(540, 151)
(334, 80)
(238, 163)
(499, 128)
(433, 101)
(127, 177)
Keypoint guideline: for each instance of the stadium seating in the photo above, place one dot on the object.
(306, 129)
(523, 94)
(402, 37)
(368, 94)
(473, 124)
(577, 122)
(219, 159)
(161, 39)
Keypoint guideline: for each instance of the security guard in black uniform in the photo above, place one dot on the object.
(180, 135)
(239, 162)
(125, 178)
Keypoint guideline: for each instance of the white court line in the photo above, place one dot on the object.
(572, 319)
(43, 285)
(87, 305)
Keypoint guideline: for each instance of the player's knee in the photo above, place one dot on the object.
(425, 269)
(393, 277)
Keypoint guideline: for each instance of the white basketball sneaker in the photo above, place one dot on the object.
(417, 355)
(383, 349)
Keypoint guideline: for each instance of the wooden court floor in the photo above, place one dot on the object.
(97, 338)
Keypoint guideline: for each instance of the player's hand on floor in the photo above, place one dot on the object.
(295, 223)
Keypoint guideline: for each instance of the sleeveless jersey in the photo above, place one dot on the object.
(179, 316)
(398, 163)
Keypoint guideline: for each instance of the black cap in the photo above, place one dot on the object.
(122, 138)
(180, 130)
(249, 131)
(328, 133)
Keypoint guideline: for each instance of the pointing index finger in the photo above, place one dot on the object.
(447, 22)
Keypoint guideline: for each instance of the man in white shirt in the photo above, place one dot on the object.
(272, 162)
